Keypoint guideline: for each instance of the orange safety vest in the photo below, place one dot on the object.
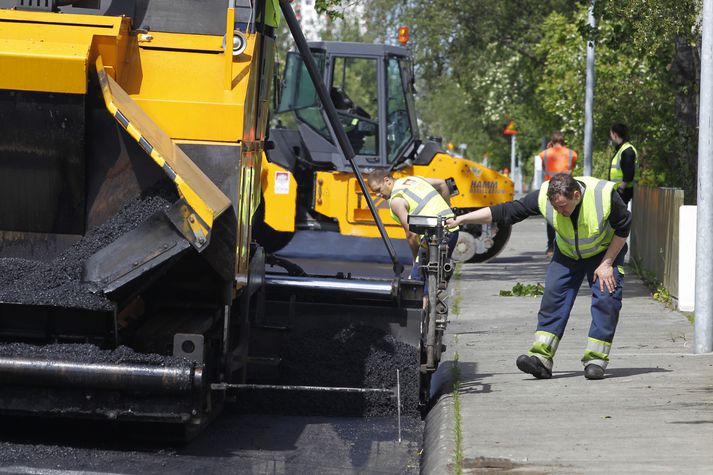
(557, 159)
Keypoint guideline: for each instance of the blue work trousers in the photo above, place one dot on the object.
(564, 278)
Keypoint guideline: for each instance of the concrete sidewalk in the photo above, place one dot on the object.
(652, 414)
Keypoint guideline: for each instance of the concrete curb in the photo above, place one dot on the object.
(439, 443)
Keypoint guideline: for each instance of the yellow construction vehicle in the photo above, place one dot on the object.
(130, 174)
(308, 185)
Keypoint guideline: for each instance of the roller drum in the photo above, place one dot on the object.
(119, 377)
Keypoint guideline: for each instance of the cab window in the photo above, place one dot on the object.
(299, 96)
(354, 91)
(399, 131)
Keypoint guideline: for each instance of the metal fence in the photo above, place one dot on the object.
(654, 233)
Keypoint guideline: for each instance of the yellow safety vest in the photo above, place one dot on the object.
(594, 233)
(422, 198)
(615, 173)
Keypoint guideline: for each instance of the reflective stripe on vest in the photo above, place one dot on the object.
(420, 196)
(615, 173)
(594, 233)
(550, 173)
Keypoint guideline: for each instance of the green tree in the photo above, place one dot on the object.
(481, 63)
(476, 68)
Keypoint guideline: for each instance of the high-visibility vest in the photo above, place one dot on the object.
(557, 159)
(615, 173)
(422, 198)
(594, 233)
(272, 13)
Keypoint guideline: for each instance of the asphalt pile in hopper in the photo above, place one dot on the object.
(356, 356)
(58, 282)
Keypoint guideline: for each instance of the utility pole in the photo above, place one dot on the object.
(703, 327)
(513, 165)
(589, 95)
(511, 131)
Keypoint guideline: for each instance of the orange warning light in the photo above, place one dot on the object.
(404, 35)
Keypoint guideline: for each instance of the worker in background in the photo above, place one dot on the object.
(623, 170)
(556, 158)
(592, 223)
(414, 195)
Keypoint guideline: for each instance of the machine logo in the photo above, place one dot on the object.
(489, 186)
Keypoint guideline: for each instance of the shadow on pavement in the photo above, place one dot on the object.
(611, 373)
(471, 382)
(475, 386)
(624, 372)
(634, 289)
(533, 271)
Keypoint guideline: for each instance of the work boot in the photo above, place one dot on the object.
(593, 371)
(532, 365)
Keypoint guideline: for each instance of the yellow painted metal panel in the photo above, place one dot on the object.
(202, 195)
(478, 185)
(31, 65)
(49, 52)
(358, 208)
(184, 119)
(337, 195)
(185, 94)
(280, 190)
(75, 20)
(178, 41)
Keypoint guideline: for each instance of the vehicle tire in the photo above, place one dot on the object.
(491, 250)
(465, 247)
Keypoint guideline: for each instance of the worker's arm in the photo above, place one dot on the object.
(479, 216)
(504, 213)
(400, 209)
(619, 217)
(442, 187)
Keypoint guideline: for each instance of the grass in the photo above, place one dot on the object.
(658, 291)
(690, 316)
(455, 304)
(524, 290)
(455, 374)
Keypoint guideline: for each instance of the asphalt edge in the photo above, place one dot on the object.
(439, 438)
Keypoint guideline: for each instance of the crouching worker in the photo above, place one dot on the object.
(418, 196)
(592, 224)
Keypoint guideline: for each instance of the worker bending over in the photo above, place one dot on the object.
(592, 224)
(417, 196)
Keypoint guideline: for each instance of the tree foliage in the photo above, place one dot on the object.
(481, 63)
